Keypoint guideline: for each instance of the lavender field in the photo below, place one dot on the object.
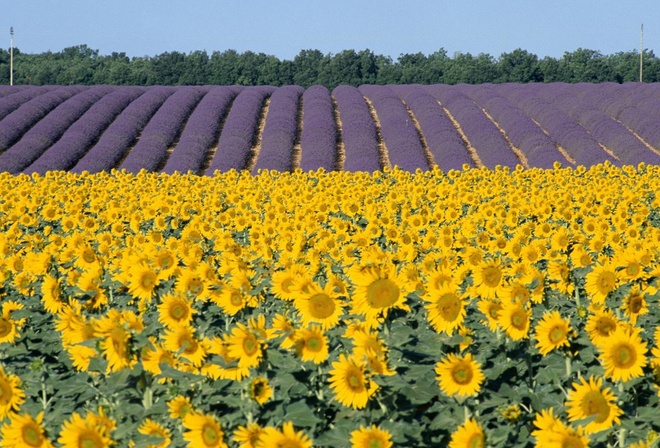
(207, 128)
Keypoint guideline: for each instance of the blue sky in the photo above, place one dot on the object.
(285, 27)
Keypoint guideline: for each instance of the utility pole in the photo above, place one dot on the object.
(11, 56)
(641, 52)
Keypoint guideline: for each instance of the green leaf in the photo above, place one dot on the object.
(301, 414)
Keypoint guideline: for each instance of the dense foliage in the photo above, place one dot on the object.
(500, 308)
(207, 128)
(81, 65)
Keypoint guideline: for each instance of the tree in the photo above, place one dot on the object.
(519, 66)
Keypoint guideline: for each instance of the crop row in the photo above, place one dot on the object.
(207, 128)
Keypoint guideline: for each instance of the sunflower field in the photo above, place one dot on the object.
(467, 308)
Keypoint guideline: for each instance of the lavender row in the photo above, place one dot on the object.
(443, 140)
(539, 150)
(319, 131)
(151, 150)
(358, 130)
(400, 137)
(240, 129)
(604, 128)
(18, 122)
(202, 130)
(280, 129)
(49, 130)
(14, 100)
(77, 139)
(482, 134)
(113, 144)
(564, 130)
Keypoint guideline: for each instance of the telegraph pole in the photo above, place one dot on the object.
(641, 52)
(11, 56)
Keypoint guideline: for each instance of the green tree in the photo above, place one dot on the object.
(519, 66)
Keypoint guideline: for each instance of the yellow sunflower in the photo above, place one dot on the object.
(248, 436)
(468, 435)
(11, 394)
(602, 280)
(492, 310)
(9, 327)
(350, 383)
(156, 431)
(319, 305)
(51, 294)
(24, 431)
(591, 399)
(312, 344)
(552, 332)
(563, 436)
(152, 357)
(601, 324)
(115, 343)
(260, 390)
(230, 299)
(175, 310)
(459, 375)
(489, 281)
(143, 281)
(445, 307)
(634, 304)
(203, 430)
(93, 430)
(377, 290)
(182, 340)
(245, 345)
(287, 437)
(515, 320)
(623, 354)
(374, 437)
(180, 407)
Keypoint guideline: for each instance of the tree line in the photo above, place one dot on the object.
(85, 66)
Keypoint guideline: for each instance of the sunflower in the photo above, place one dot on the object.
(287, 437)
(489, 279)
(24, 431)
(9, 327)
(623, 354)
(175, 310)
(182, 340)
(374, 437)
(143, 281)
(634, 304)
(245, 345)
(377, 290)
(156, 431)
(51, 294)
(248, 436)
(366, 343)
(590, 399)
(563, 436)
(230, 299)
(492, 310)
(192, 283)
(545, 422)
(350, 383)
(445, 307)
(602, 280)
(468, 435)
(81, 356)
(229, 368)
(180, 407)
(11, 394)
(459, 375)
(282, 282)
(600, 325)
(319, 305)
(515, 320)
(312, 344)
(115, 343)
(203, 430)
(91, 431)
(260, 390)
(552, 332)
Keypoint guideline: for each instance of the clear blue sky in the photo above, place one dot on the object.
(285, 27)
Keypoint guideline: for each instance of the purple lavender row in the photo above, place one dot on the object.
(150, 152)
(49, 130)
(564, 130)
(630, 106)
(9, 90)
(239, 130)
(443, 140)
(358, 130)
(404, 147)
(482, 134)
(75, 142)
(603, 128)
(108, 152)
(201, 131)
(18, 122)
(521, 131)
(319, 131)
(280, 130)
(14, 100)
